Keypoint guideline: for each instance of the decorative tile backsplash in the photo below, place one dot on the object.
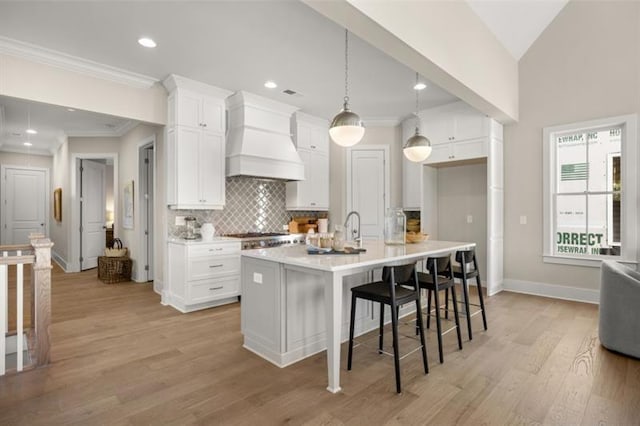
(252, 205)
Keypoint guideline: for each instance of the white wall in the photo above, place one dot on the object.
(584, 66)
(128, 166)
(60, 179)
(389, 136)
(15, 159)
(462, 192)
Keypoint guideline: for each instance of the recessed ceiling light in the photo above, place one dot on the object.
(27, 144)
(147, 42)
(420, 86)
(270, 84)
(32, 131)
(70, 109)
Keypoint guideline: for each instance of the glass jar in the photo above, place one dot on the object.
(338, 238)
(395, 226)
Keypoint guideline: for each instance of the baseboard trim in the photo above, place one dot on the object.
(59, 260)
(553, 291)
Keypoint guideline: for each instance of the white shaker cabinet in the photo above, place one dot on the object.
(195, 144)
(202, 275)
(311, 137)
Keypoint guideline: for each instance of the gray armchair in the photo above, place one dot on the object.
(620, 308)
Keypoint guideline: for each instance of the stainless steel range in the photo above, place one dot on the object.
(253, 240)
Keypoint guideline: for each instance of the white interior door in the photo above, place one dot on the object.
(25, 204)
(368, 190)
(92, 209)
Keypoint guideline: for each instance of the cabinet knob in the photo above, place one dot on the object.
(204, 124)
(313, 147)
(313, 204)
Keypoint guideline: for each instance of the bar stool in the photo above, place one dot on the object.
(440, 277)
(467, 270)
(399, 286)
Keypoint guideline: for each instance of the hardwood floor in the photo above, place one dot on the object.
(119, 357)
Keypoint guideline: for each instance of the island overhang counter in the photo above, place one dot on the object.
(293, 302)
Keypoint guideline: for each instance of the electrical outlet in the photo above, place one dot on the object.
(523, 220)
(179, 220)
(257, 278)
(469, 218)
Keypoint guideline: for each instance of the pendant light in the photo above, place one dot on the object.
(417, 148)
(346, 128)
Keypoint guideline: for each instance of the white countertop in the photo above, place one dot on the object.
(199, 241)
(377, 253)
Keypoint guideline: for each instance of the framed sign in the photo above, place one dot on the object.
(127, 205)
(57, 204)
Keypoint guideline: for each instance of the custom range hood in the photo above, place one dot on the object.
(259, 140)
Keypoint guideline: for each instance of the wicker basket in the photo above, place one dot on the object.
(114, 269)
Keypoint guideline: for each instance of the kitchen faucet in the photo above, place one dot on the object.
(358, 238)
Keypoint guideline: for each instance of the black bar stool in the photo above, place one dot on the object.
(399, 286)
(440, 277)
(467, 270)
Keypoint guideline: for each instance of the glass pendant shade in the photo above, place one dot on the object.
(417, 148)
(346, 128)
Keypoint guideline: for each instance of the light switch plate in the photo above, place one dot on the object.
(179, 220)
(257, 278)
(469, 218)
(523, 220)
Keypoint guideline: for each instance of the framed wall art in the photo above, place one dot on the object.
(127, 206)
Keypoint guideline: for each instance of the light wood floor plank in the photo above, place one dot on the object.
(121, 358)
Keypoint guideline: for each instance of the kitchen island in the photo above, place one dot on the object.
(293, 303)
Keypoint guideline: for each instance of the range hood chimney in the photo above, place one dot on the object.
(259, 140)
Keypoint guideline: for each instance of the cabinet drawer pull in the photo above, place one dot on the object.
(216, 288)
(313, 147)
(216, 249)
(216, 266)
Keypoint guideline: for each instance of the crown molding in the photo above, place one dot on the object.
(381, 121)
(72, 63)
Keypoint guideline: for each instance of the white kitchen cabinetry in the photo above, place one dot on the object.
(195, 145)
(202, 275)
(311, 137)
(457, 132)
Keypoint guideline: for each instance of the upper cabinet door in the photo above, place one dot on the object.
(319, 140)
(213, 111)
(470, 124)
(211, 161)
(188, 109)
(186, 166)
(438, 127)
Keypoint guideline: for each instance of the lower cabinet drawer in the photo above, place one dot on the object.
(204, 291)
(212, 266)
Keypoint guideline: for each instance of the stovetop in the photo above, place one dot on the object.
(251, 240)
(256, 235)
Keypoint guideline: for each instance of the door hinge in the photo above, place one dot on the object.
(80, 228)
(81, 169)
(146, 267)
(146, 161)
(81, 258)
(146, 232)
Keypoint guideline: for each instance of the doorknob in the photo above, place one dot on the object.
(42, 224)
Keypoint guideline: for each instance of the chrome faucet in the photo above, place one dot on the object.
(356, 233)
